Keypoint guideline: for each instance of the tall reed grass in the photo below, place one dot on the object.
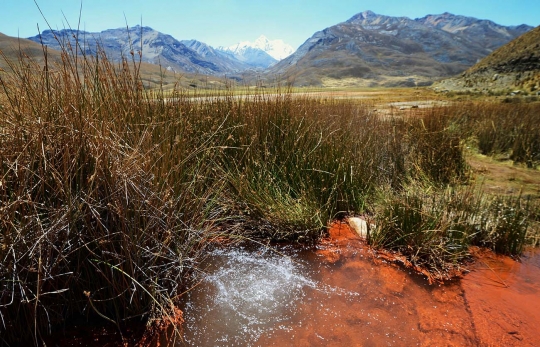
(433, 224)
(434, 228)
(501, 129)
(104, 201)
(109, 192)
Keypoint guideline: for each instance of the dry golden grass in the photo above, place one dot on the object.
(523, 50)
(503, 177)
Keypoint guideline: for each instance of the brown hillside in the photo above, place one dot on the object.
(11, 47)
(513, 68)
(521, 54)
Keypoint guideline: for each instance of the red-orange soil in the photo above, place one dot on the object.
(503, 296)
(496, 304)
(394, 308)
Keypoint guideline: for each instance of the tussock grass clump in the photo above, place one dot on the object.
(299, 162)
(504, 225)
(433, 223)
(96, 218)
(434, 228)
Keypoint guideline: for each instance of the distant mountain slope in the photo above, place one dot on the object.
(225, 59)
(276, 49)
(372, 49)
(485, 32)
(12, 46)
(262, 53)
(157, 48)
(514, 66)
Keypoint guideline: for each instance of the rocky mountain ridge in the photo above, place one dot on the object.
(154, 47)
(488, 33)
(189, 56)
(367, 50)
(371, 49)
(513, 68)
(228, 61)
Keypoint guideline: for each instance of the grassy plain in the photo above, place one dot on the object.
(111, 190)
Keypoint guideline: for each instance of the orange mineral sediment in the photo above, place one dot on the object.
(383, 304)
(496, 304)
(348, 295)
(340, 238)
(503, 296)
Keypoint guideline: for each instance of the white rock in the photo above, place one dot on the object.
(359, 226)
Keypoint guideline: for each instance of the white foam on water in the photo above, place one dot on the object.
(247, 294)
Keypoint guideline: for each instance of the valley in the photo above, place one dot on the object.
(380, 185)
(368, 50)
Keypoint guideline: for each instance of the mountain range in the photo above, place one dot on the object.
(189, 56)
(277, 49)
(367, 50)
(371, 49)
(260, 54)
(13, 53)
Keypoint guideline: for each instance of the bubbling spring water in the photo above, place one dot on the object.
(245, 294)
(331, 295)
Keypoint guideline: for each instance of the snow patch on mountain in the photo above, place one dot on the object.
(277, 49)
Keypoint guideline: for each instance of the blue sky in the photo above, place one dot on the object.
(225, 22)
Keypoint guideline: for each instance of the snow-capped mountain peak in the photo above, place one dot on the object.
(277, 49)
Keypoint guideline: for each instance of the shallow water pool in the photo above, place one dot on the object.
(331, 295)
